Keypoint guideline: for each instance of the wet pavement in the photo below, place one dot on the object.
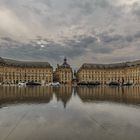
(66, 113)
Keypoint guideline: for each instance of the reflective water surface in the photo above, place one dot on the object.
(66, 113)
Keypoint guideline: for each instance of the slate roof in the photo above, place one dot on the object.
(110, 66)
(31, 64)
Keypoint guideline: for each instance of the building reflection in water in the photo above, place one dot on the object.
(114, 94)
(64, 94)
(24, 94)
(10, 95)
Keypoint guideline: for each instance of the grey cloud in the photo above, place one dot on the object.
(133, 37)
(85, 7)
(32, 50)
(129, 38)
(89, 6)
(136, 9)
(81, 42)
(102, 49)
(137, 34)
(8, 39)
(110, 38)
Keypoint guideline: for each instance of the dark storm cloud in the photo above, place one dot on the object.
(32, 50)
(110, 38)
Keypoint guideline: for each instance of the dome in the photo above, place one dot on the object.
(65, 64)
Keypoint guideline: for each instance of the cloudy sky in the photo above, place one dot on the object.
(93, 31)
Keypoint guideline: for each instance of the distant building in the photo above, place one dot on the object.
(63, 73)
(106, 73)
(12, 71)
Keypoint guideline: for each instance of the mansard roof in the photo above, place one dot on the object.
(16, 63)
(110, 66)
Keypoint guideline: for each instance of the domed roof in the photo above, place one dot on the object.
(65, 64)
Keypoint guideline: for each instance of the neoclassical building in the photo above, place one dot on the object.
(106, 73)
(13, 71)
(63, 73)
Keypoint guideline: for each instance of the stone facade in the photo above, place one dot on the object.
(63, 73)
(12, 71)
(128, 72)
